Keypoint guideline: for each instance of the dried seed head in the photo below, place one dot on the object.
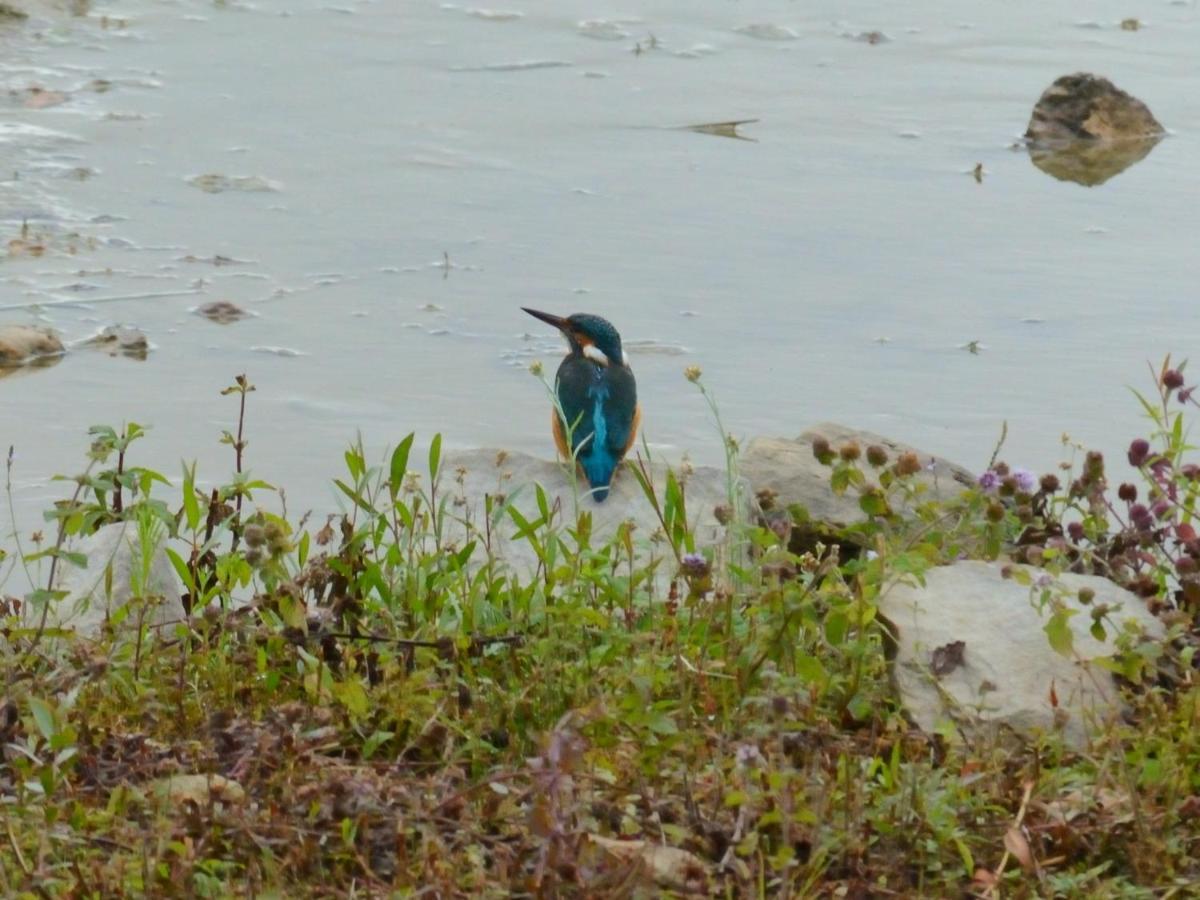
(822, 450)
(876, 456)
(692, 373)
(908, 464)
(850, 452)
(254, 535)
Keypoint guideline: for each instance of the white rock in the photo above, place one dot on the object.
(1008, 671)
(515, 475)
(93, 596)
(787, 467)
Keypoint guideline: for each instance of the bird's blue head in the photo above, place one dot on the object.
(584, 331)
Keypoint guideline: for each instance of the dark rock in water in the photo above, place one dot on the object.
(222, 312)
(121, 339)
(1087, 107)
(1085, 129)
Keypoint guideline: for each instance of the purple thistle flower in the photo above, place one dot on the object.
(694, 565)
(1138, 451)
(1027, 482)
(989, 481)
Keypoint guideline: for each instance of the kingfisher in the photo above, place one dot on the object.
(597, 396)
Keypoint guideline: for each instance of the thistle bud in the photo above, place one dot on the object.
(908, 464)
(1140, 517)
(254, 535)
(850, 452)
(876, 455)
(822, 450)
(1172, 379)
(1138, 451)
(1127, 492)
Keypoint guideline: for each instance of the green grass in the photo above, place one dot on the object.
(396, 719)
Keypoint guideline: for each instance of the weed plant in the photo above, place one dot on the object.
(379, 705)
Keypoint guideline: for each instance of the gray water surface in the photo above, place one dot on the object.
(420, 170)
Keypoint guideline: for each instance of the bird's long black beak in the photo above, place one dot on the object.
(557, 321)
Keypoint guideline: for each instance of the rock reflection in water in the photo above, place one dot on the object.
(1090, 162)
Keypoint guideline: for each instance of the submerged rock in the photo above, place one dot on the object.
(120, 339)
(215, 183)
(788, 468)
(1085, 129)
(116, 573)
(971, 650)
(20, 344)
(221, 311)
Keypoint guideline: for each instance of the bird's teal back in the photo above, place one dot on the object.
(600, 406)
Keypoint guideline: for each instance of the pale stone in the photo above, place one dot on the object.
(96, 592)
(787, 467)
(22, 343)
(515, 475)
(1009, 677)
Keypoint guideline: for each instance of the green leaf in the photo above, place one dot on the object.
(352, 696)
(399, 464)
(43, 716)
(874, 503)
(435, 456)
(1058, 630)
(357, 500)
(182, 570)
(964, 853)
(811, 670)
(191, 506)
(837, 623)
(355, 464)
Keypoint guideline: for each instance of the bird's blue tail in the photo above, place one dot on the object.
(599, 466)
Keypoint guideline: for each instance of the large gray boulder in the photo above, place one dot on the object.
(470, 475)
(1005, 678)
(787, 468)
(1085, 129)
(115, 574)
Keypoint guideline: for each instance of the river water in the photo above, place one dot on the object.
(403, 175)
